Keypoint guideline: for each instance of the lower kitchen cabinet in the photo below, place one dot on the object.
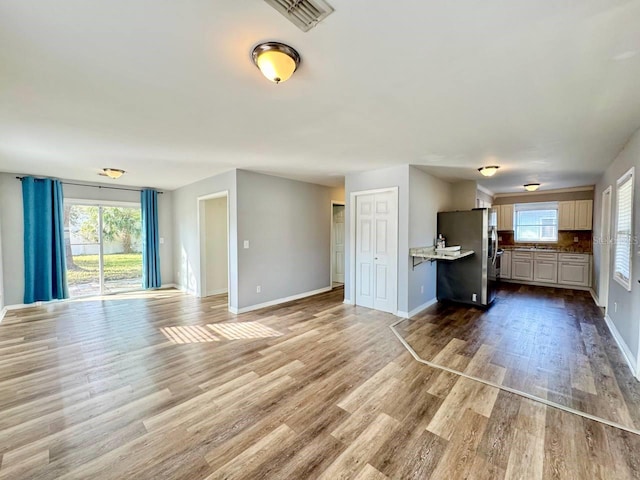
(558, 269)
(545, 267)
(574, 269)
(505, 265)
(522, 266)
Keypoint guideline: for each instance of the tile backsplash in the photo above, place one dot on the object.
(565, 241)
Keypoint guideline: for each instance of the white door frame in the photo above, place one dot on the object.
(202, 237)
(352, 240)
(605, 245)
(340, 204)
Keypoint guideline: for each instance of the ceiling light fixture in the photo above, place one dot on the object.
(489, 171)
(113, 172)
(276, 61)
(531, 187)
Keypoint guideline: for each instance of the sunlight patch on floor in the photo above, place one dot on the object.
(244, 330)
(188, 334)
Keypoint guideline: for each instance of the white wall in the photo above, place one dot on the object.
(11, 219)
(288, 226)
(216, 241)
(372, 180)
(627, 317)
(427, 196)
(186, 234)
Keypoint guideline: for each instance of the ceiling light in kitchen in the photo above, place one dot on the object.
(489, 171)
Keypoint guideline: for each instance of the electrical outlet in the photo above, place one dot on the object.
(258, 289)
(246, 244)
(575, 240)
(421, 288)
(161, 240)
(474, 297)
(499, 238)
(615, 307)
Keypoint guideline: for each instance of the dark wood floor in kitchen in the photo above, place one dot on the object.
(551, 343)
(163, 385)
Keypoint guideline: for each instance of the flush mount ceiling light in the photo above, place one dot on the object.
(531, 187)
(113, 172)
(489, 171)
(276, 61)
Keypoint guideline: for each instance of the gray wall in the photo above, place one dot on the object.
(427, 196)
(544, 197)
(464, 195)
(627, 318)
(371, 180)
(288, 226)
(217, 248)
(12, 228)
(187, 240)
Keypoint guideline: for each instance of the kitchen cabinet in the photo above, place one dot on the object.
(575, 215)
(574, 269)
(505, 265)
(545, 267)
(584, 214)
(566, 215)
(522, 266)
(505, 217)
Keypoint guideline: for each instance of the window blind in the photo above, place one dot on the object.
(624, 230)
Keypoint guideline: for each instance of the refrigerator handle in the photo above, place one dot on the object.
(494, 241)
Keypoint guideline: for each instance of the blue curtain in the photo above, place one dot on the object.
(150, 240)
(45, 267)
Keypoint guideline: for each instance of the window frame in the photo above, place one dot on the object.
(546, 206)
(628, 176)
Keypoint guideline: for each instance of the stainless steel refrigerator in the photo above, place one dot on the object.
(471, 279)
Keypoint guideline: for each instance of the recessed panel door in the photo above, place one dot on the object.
(377, 251)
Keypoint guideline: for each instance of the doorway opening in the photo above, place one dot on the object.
(605, 249)
(103, 247)
(374, 252)
(213, 226)
(337, 243)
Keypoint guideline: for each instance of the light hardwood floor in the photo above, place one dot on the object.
(163, 385)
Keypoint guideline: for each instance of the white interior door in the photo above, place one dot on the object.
(337, 264)
(605, 248)
(377, 251)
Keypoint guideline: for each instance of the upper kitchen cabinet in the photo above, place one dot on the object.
(575, 215)
(584, 214)
(505, 217)
(566, 215)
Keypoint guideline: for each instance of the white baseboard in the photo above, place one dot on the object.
(595, 297)
(417, 310)
(3, 312)
(631, 361)
(348, 302)
(277, 301)
(218, 291)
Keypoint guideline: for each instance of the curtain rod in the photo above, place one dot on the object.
(98, 186)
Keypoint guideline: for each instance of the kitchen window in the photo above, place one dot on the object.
(624, 230)
(536, 222)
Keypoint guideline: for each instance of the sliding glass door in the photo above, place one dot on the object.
(103, 248)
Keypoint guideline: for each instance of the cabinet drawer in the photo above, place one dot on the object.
(522, 255)
(552, 257)
(574, 257)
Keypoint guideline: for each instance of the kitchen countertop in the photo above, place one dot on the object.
(546, 249)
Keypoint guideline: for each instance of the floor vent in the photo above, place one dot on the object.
(304, 14)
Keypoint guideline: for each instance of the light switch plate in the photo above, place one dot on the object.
(246, 244)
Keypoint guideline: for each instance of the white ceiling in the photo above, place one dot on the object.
(167, 91)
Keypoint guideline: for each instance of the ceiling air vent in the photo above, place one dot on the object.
(304, 14)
